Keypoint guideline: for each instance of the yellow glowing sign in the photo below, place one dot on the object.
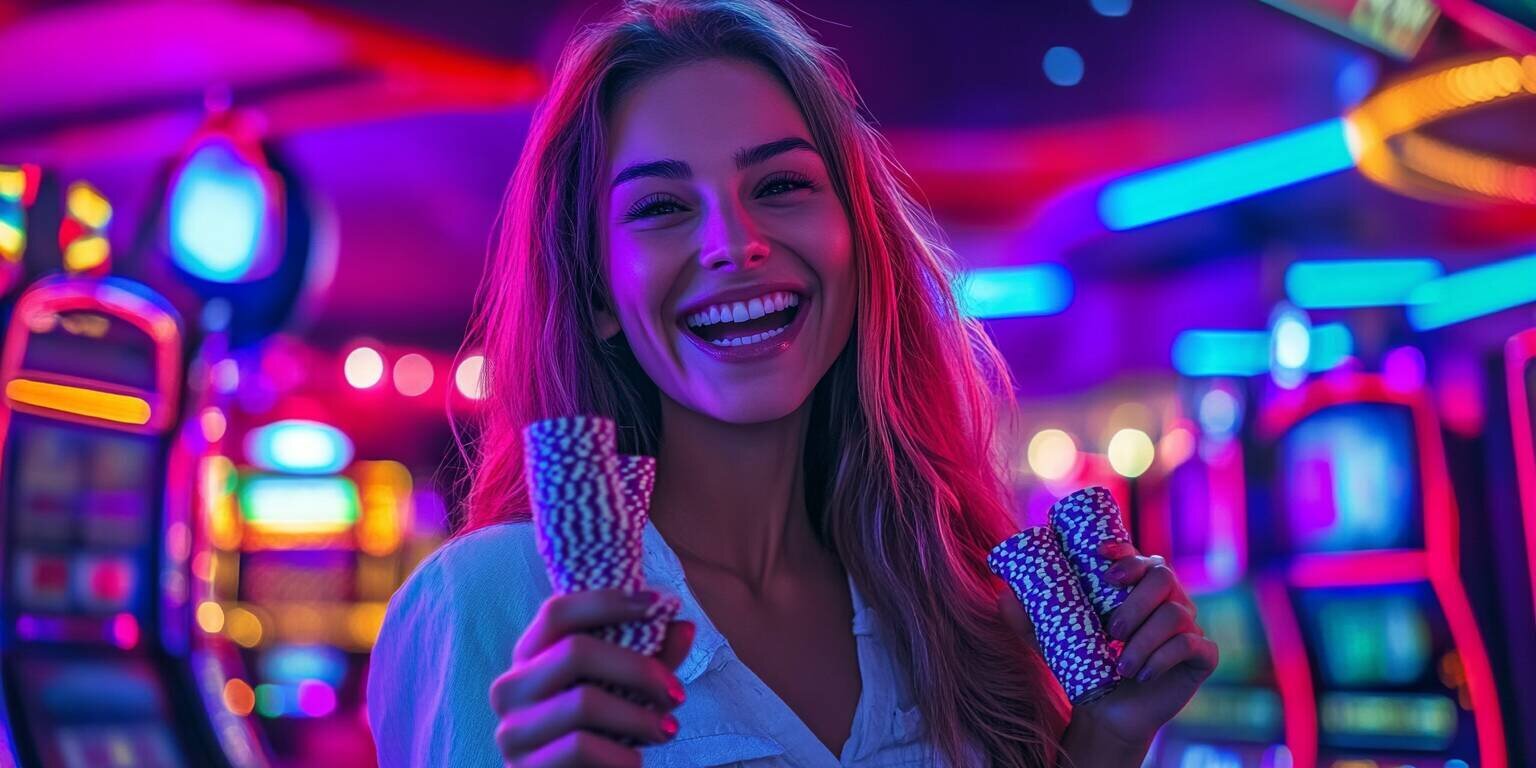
(91, 403)
(88, 205)
(385, 487)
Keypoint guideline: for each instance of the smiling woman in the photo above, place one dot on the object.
(707, 242)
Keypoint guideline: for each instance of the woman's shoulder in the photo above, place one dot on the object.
(494, 570)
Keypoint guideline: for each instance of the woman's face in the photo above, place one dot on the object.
(728, 255)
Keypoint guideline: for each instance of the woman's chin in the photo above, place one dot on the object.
(752, 407)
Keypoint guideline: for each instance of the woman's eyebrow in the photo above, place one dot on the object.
(751, 156)
(745, 158)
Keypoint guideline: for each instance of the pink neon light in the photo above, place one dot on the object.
(1519, 353)
(125, 631)
(1359, 568)
(316, 698)
(1440, 530)
(1293, 676)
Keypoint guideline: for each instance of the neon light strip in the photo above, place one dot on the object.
(1473, 293)
(1347, 283)
(1225, 176)
(79, 401)
(1293, 675)
(1359, 568)
(1027, 291)
(1519, 353)
(1440, 531)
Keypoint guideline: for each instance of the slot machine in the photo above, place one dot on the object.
(93, 557)
(1520, 360)
(1238, 718)
(1363, 538)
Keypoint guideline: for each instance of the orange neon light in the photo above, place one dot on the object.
(93, 403)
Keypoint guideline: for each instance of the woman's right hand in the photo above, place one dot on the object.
(552, 708)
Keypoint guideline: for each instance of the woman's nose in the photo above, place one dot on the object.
(731, 239)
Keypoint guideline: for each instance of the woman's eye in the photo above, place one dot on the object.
(780, 184)
(652, 206)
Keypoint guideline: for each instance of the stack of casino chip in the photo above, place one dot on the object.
(590, 507)
(1067, 629)
(1084, 520)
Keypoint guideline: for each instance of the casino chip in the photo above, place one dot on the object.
(1067, 629)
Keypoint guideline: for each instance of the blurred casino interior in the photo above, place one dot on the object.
(1265, 268)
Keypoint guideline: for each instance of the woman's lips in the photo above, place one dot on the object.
(759, 350)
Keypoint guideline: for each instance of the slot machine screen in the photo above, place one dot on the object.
(1239, 701)
(1349, 480)
(1530, 391)
(1189, 505)
(91, 346)
(1390, 677)
(81, 503)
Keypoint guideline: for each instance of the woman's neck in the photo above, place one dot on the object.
(731, 497)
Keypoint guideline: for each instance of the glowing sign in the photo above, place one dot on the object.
(298, 505)
(223, 214)
(1397, 27)
(1225, 176)
(82, 235)
(91, 403)
(1035, 289)
(299, 447)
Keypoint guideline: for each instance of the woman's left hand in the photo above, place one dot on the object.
(1166, 655)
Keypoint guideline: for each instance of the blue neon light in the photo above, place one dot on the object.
(1221, 353)
(1331, 344)
(299, 447)
(1473, 293)
(1357, 282)
(218, 218)
(1225, 176)
(297, 663)
(1036, 289)
(1246, 353)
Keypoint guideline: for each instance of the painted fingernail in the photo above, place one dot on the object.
(1125, 666)
(1116, 574)
(675, 692)
(1146, 674)
(1117, 630)
(669, 726)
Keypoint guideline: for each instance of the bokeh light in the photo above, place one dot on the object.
(1131, 452)
(1052, 454)
(469, 377)
(413, 375)
(1063, 66)
(364, 367)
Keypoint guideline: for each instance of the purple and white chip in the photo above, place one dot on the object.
(590, 507)
(1085, 520)
(1067, 629)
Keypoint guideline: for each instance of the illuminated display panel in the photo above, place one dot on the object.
(1522, 11)
(1348, 476)
(81, 502)
(92, 346)
(1387, 672)
(1239, 701)
(1397, 27)
(99, 713)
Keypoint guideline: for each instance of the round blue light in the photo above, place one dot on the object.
(299, 447)
(1112, 7)
(1064, 66)
(218, 216)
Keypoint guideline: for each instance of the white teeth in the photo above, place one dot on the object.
(740, 341)
(742, 311)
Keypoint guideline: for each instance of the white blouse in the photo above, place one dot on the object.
(450, 630)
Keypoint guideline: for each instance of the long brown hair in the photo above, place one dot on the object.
(902, 477)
